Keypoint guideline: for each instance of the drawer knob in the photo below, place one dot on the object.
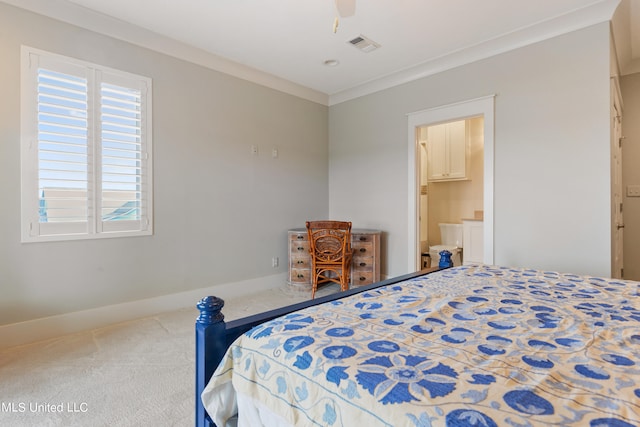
(300, 237)
(363, 250)
(362, 279)
(300, 262)
(300, 276)
(362, 264)
(363, 239)
(300, 248)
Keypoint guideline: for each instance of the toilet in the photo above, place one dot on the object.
(451, 236)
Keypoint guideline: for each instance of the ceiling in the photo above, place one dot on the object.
(288, 41)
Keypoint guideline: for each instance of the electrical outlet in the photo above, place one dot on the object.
(633, 190)
(254, 150)
(275, 261)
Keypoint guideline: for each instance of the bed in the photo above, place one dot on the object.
(466, 346)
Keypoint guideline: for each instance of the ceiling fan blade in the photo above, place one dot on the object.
(346, 8)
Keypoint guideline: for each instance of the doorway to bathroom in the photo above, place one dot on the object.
(478, 116)
(451, 163)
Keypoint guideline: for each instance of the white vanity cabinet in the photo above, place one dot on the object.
(448, 151)
(472, 241)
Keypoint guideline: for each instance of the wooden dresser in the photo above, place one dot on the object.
(365, 267)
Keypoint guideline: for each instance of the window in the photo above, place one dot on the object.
(85, 150)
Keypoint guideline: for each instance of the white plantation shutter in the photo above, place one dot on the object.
(86, 168)
(124, 193)
(63, 155)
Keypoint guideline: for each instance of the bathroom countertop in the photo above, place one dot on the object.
(477, 216)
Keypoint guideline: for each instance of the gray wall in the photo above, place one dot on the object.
(630, 86)
(221, 214)
(552, 168)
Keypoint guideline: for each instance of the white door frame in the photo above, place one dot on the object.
(461, 110)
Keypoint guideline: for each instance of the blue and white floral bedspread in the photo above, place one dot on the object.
(468, 346)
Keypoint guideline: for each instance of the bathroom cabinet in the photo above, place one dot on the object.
(472, 241)
(448, 151)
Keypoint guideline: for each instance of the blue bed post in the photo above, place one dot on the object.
(445, 259)
(210, 349)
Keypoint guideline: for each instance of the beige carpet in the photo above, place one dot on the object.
(138, 373)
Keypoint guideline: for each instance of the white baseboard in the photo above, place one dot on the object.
(53, 326)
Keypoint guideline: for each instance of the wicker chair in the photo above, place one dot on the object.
(331, 253)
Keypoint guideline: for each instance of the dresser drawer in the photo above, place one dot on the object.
(299, 247)
(362, 249)
(362, 238)
(300, 261)
(359, 278)
(300, 275)
(299, 236)
(362, 263)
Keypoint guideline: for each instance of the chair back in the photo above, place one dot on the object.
(329, 241)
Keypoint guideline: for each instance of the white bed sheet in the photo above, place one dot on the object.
(230, 404)
(255, 414)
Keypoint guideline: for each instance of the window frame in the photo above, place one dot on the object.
(94, 227)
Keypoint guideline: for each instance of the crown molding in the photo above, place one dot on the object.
(597, 12)
(79, 16)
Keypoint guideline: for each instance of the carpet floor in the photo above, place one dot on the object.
(137, 373)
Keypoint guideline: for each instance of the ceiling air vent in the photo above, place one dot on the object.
(364, 44)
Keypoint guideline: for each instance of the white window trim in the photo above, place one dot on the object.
(31, 229)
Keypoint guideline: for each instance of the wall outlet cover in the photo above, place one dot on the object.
(633, 190)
